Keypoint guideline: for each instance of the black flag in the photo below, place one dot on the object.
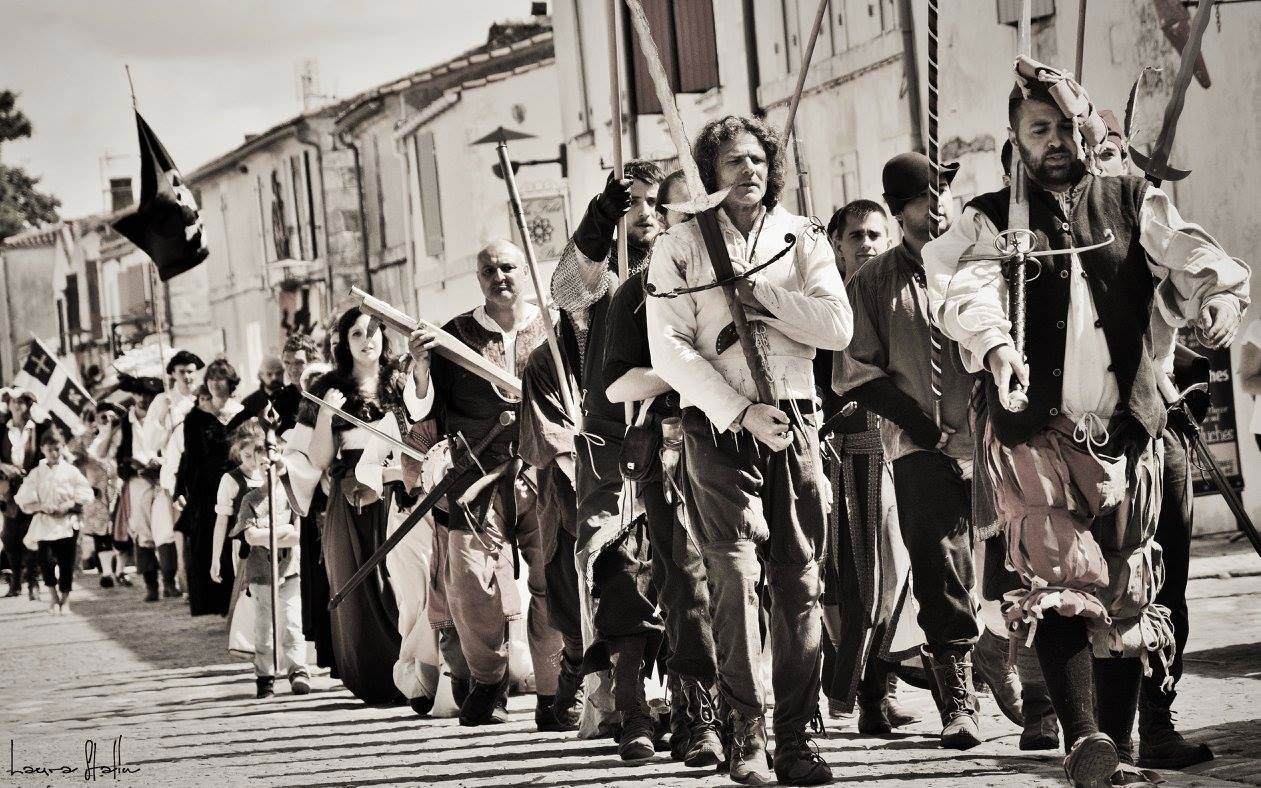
(165, 225)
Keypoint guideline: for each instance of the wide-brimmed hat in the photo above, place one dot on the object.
(183, 357)
(908, 175)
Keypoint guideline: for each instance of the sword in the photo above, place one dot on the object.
(415, 454)
(506, 419)
(1217, 476)
(1156, 167)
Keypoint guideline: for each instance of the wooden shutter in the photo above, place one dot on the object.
(310, 203)
(72, 303)
(300, 219)
(697, 45)
(93, 276)
(661, 21)
(430, 205)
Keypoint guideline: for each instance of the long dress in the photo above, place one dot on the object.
(365, 637)
(202, 464)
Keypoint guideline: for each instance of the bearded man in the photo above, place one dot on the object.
(1078, 470)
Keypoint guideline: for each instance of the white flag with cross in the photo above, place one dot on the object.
(55, 390)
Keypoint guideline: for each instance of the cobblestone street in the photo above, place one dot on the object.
(186, 714)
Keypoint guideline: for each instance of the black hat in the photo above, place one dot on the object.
(139, 385)
(181, 358)
(908, 175)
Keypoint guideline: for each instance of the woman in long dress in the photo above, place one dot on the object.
(203, 462)
(367, 383)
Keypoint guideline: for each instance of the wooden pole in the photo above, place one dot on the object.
(619, 172)
(1081, 41)
(790, 128)
(518, 215)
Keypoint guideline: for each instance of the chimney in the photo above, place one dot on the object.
(120, 195)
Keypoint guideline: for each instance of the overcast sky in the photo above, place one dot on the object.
(206, 73)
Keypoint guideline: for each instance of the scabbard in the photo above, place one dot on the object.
(723, 270)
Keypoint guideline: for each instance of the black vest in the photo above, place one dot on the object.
(1121, 285)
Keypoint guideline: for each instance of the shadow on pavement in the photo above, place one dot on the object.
(1228, 662)
(122, 616)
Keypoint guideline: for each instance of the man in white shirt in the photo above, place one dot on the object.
(754, 469)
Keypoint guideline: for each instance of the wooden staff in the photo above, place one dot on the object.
(1081, 40)
(790, 130)
(619, 172)
(518, 214)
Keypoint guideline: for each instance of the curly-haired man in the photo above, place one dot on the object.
(755, 501)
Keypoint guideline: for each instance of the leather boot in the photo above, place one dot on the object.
(569, 693)
(952, 690)
(1160, 746)
(991, 663)
(484, 702)
(797, 759)
(168, 558)
(878, 709)
(747, 761)
(638, 727)
(460, 690)
(704, 747)
(548, 718)
(1041, 728)
(678, 717)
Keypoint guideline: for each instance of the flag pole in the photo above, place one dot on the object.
(131, 86)
(153, 288)
(157, 324)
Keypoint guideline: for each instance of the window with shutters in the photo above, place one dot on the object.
(430, 204)
(683, 31)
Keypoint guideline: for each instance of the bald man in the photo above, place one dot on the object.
(272, 390)
(492, 508)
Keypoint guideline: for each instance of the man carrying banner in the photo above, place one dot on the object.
(1077, 472)
(753, 468)
(492, 514)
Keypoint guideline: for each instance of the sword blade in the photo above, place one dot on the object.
(415, 454)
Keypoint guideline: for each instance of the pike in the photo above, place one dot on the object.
(518, 215)
(790, 128)
(467, 462)
(1157, 170)
(1157, 167)
(448, 346)
(269, 421)
(615, 113)
(410, 451)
